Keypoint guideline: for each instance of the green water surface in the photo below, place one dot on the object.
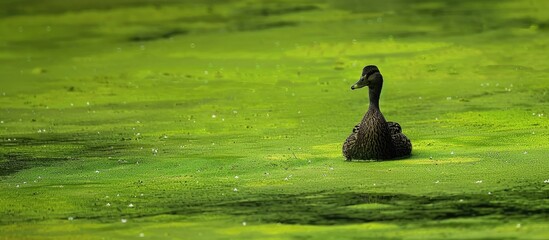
(225, 119)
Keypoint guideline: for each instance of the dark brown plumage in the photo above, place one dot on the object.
(374, 138)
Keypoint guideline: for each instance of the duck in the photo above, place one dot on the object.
(374, 138)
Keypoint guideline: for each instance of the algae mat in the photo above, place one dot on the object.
(225, 119)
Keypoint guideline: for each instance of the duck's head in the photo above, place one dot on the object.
(370, 77)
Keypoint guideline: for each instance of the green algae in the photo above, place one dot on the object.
(225, 120)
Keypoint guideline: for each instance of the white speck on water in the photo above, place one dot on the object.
(205, 72)
(214, 116)
(130, 205)
(24, 182)
(533, 133)
(88, 103)
(309, 161)
(2, 122)
(141, 194)
(479, 181)
(223, 119)
(123, 220)
(141, 235)
(154, 151)
(137, 122)
(96, 171)
(39, 177)
(108, 204)
(448, 98)
(235, 112)
(419, 98)
(525, 152)
(17, 185)
(331, 168)
(244, 224)
(461, 200)
(546, 181)
(235, 190)
(519, 225)
(298, 112)
(70, 218)
(374, 184)
(213, 144)
(489, 193)
(452, 153)
(436, 119)
(431, 158)
(286, 179)
(437, 181)
(118, 194)
(236, 177)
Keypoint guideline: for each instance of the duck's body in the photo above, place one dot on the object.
(374, 138)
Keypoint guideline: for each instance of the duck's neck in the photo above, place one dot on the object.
(375, 93)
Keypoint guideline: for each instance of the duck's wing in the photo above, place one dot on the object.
(355, 129)
(350, 143)
(402, 146)
(394, 128)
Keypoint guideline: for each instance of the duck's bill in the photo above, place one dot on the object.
(359, 84)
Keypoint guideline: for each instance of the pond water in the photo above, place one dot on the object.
(225, 119)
